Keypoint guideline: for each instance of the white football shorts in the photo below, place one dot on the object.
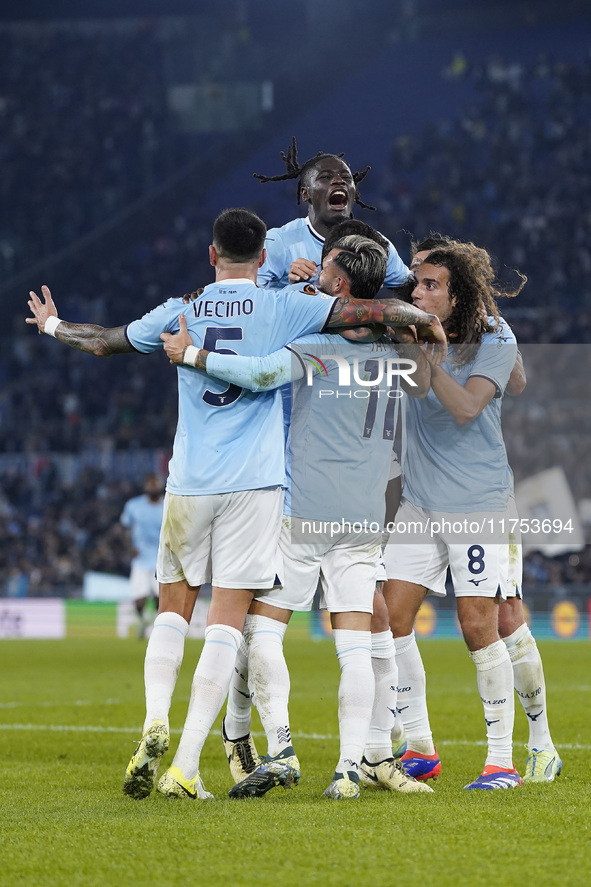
(425, 544)
(347, 566)
(515, 576)
(228, 539)
(143, 583)
(395, 469)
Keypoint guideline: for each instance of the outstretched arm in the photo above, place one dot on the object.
(279, 367)
(86, 337)
(254, 373)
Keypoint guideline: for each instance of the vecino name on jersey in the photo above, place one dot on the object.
(209, 308)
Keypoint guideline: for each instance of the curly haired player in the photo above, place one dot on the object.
(421, 759)
(456, 475)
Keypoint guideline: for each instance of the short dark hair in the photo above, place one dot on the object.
(433, 241)
(352, 226)
(239, 235)
(364, 262)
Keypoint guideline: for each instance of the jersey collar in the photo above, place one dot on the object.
(232, 280)
(313, 232)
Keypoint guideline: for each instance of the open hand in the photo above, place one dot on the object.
(41, 310)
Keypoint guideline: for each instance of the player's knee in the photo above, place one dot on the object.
(379, 619)
(511, 616)
(478, 632)
(401, 624)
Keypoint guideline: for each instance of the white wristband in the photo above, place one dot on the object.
(190, 355)
(51, 324)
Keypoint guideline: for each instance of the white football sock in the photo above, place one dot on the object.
(239, 709)
(495, 685)
(164, 655)
(356, 694)
(412, 695)
(269, 679)
(528, 680)
(210, 685)
(383, 716)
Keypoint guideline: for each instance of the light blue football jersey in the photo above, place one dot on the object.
(461, 468)
(144, 519)
(227, 438)
(298, 240)
(342, 430)
(339, 449)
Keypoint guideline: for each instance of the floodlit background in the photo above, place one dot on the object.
(126, 127)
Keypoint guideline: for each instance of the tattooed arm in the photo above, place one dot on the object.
(97, 340)
(391, 312)
(86, 337)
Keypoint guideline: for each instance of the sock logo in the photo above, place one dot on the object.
(488, 723)
(284, 735)
(535, 717)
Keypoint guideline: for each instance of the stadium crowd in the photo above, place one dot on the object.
(510, 172)
(89, 115)
(529, 207)
(52, 532)
(85, 133)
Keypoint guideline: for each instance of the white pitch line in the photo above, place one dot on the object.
(87, 728)
(45, 704)
(81, 703)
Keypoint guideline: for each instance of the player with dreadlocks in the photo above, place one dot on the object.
(326, 183)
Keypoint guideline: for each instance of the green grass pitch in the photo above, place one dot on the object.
(71, 710)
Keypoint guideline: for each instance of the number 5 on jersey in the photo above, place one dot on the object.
(213, 335)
